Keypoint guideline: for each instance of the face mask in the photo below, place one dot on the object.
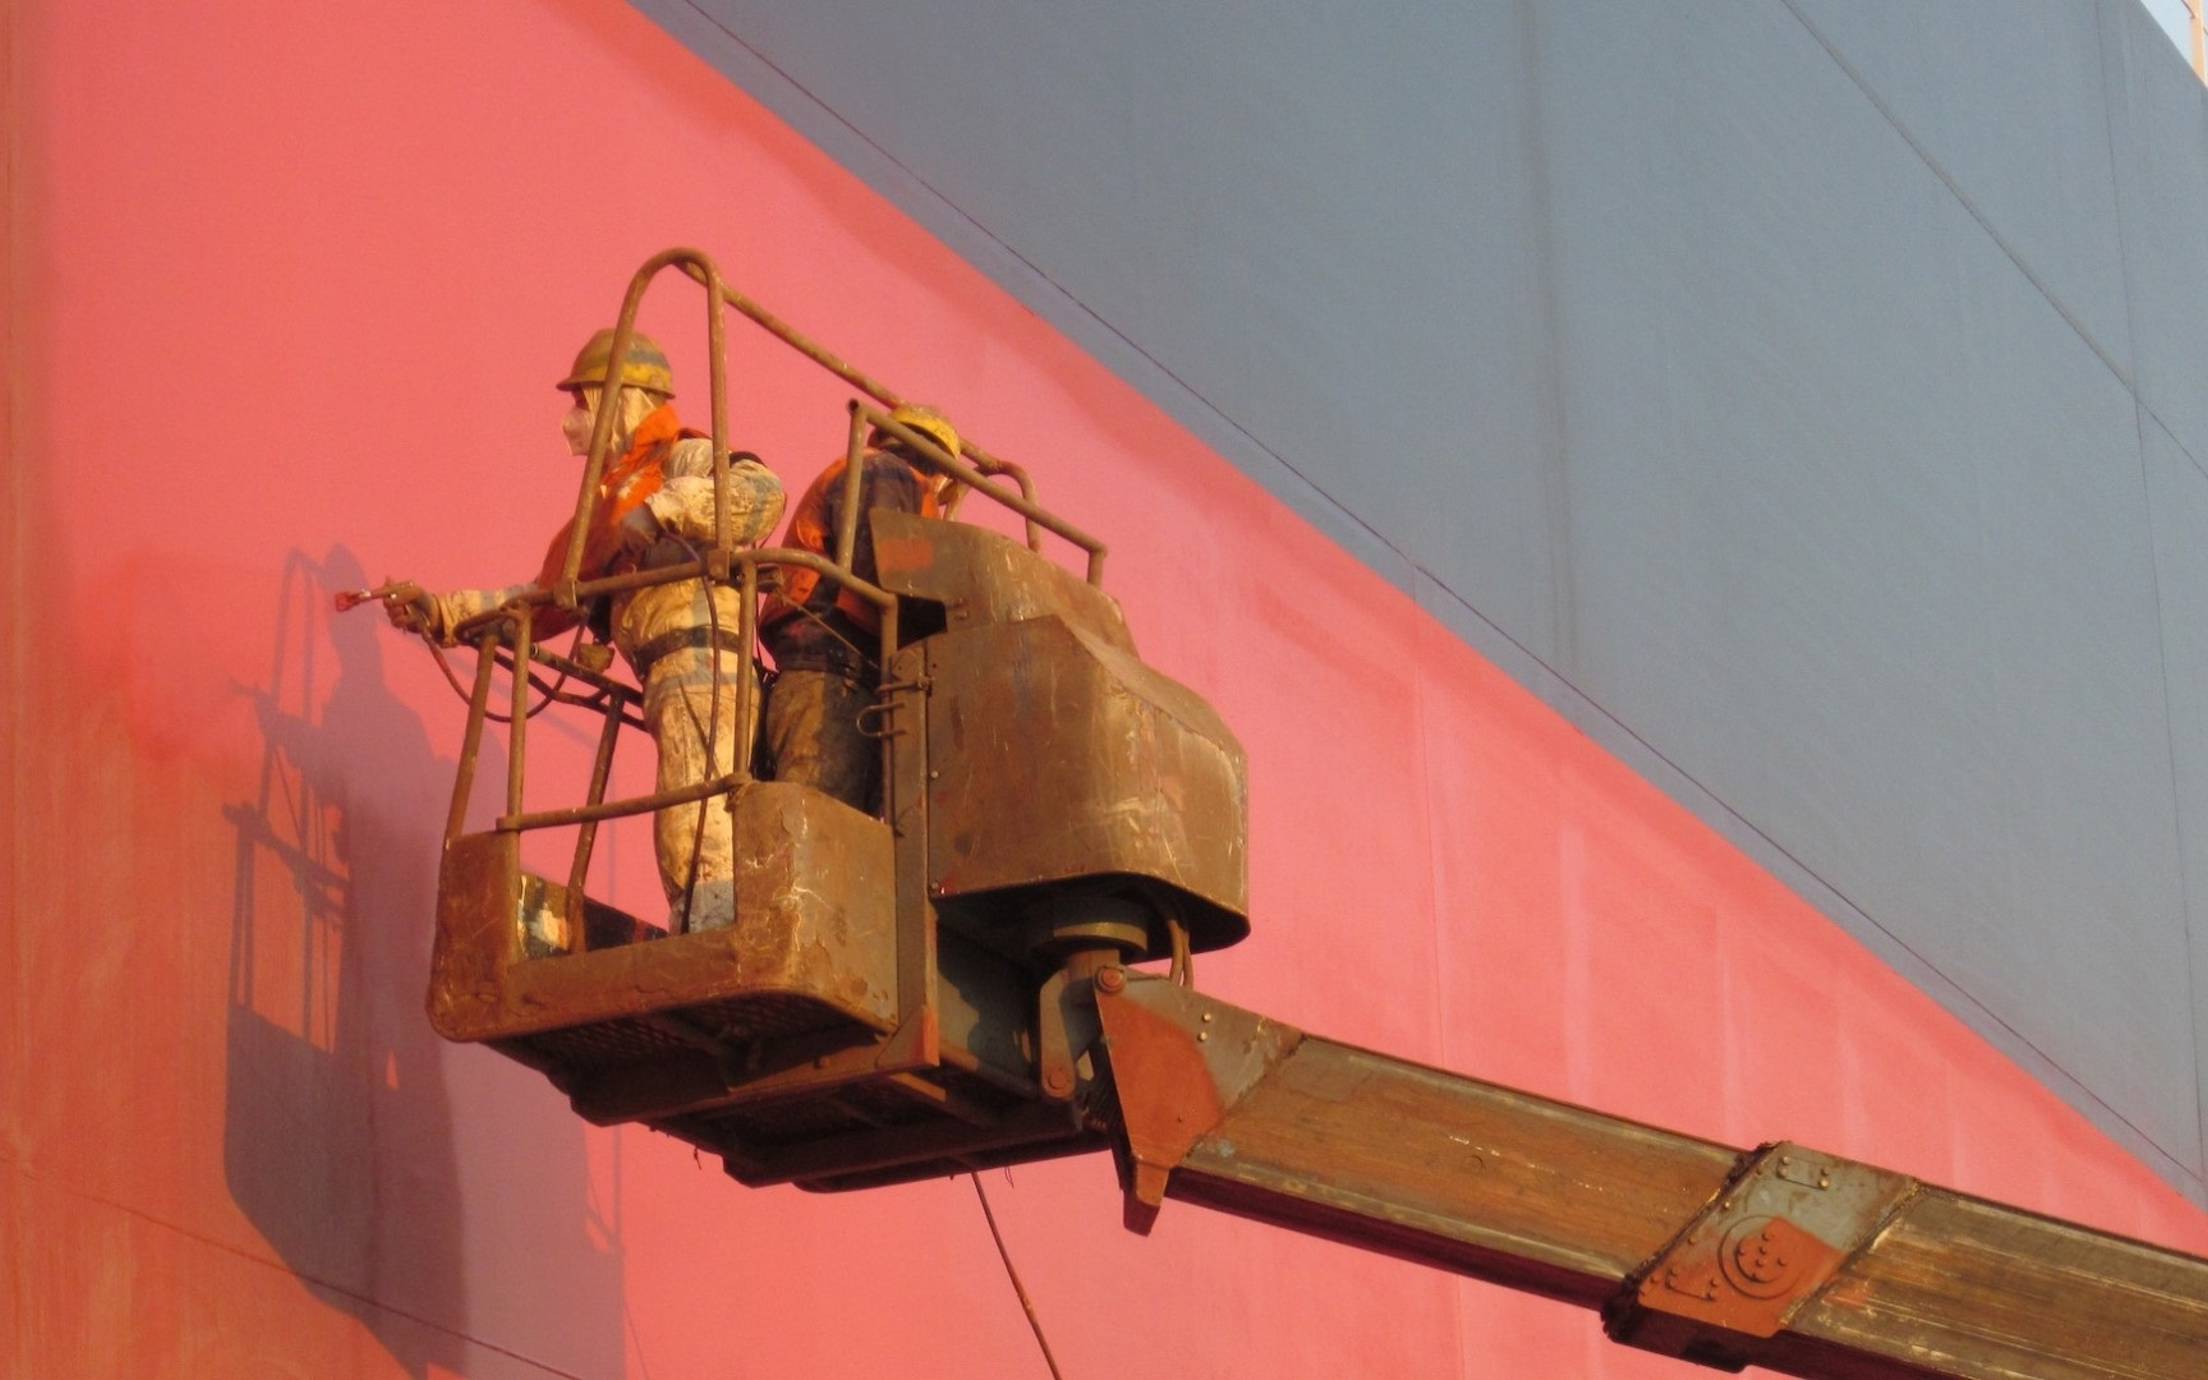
(576, 427)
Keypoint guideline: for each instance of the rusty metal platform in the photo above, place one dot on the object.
(769, 1043)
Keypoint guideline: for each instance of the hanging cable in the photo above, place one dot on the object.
(1034, 1322)
(1183, 969)
(551, 693)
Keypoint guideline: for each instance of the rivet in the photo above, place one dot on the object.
(1207, 1018)
(1202, 1035)
(932, 775)
(1786, 1160)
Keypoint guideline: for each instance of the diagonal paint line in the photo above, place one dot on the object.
(1954, 188)
(2000, 241)
(24, 1173)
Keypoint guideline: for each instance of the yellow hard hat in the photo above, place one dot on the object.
(646, 366)
(929, 423)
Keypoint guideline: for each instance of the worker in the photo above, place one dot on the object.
(824, 637)
(654, 509)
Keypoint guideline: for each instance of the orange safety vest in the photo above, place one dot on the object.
(811, 530)
(622, 490)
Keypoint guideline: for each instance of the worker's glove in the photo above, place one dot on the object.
(409, 608)
(638, 531)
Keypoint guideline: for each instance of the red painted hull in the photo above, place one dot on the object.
(288, 287)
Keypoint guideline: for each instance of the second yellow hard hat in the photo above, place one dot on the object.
(929, 423)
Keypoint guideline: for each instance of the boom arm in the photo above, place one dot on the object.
(1780, 1256)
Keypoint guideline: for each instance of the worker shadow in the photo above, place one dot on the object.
(340, 1141)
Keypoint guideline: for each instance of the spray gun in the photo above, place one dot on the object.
(404, 590)
(595, 656)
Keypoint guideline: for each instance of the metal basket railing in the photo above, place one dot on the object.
(504, 638)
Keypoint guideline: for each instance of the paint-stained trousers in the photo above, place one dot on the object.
(682, 712)
(813, 732)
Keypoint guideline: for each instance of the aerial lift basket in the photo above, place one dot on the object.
(892, 999)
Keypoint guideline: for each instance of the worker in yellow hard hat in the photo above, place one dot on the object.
(654, 509)
(825, 638)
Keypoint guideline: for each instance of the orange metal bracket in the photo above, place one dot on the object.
(1782, 1230)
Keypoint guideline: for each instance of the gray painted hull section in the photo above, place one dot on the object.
(1804, 396)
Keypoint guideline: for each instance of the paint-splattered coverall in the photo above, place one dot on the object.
(664, 632)
(826, 640)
